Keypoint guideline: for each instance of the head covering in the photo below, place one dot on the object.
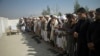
(37, 18)
(21, 18)
(69, 16)
(81, 10)
(63, 17)
(74, 15)
(47, 16)
(54, 16)
(98, 10)
(40, 16)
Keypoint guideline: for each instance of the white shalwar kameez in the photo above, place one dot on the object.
(52, 29)
(59, 41)
(35, 26)
(45, 31)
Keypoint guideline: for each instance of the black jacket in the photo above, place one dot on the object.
(81, 29)
(93, 34)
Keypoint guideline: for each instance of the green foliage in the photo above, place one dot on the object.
(59, 14)
(76, 6)
(47, 11)
(86, 8)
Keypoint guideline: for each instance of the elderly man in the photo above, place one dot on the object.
(53, 24)
(93, 35)
(91, 15)
(40, 26)
(44, 29)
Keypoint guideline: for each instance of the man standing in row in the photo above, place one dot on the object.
(93, 35)
(81, 32)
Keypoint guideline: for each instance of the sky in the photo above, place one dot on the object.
(25, 8)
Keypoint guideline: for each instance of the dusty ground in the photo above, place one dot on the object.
(23, 45)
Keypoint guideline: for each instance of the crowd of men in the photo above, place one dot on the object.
(71, 34)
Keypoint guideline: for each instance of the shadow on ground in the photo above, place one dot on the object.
(35, 48)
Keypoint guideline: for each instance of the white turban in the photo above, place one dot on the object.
(55, 16)
(47, 16)
(63, 17)
(21, 18)
(37, 18)
(74, 15)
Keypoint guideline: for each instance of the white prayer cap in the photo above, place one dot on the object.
(37, 18)
(63, 17)
(55, 16)
(74, 15)
(58, 17)
(21, 18)
(47, 16)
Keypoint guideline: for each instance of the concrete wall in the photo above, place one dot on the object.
(13, 22)
(3, 25)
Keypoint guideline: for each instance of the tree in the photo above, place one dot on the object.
(59, 14)
(76, 6)
(47, 11)
(44, 12)
(86, 8)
